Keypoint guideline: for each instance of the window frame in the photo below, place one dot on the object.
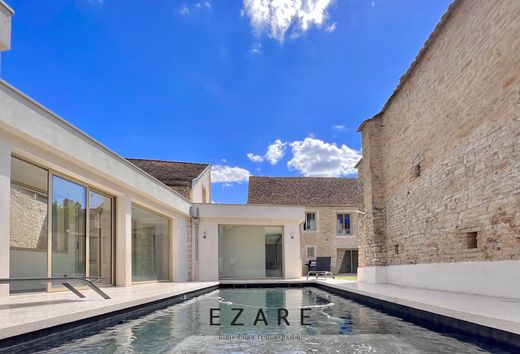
(315, 212)
(350, 233)
(307, 252)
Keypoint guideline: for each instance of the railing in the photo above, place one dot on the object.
(65, 281)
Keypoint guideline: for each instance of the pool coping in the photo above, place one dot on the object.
(93, 324)
(427, 316)
(429, 319)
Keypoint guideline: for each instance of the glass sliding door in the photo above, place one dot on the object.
(150, 246)
(100, 237)
(69, 237)
(50, 237)
(249, 251)
(29, 224)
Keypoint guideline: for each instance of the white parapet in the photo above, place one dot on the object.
(497, 278)
(372, 275)
(5, 26)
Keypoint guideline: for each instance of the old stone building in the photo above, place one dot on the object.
(331, 206)
(440, 172)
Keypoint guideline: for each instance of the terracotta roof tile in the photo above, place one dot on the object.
(311, 191)
(171, 173)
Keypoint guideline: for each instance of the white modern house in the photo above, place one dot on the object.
(69, 206)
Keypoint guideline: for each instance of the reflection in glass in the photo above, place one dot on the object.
(28, 224)
(100, 237)
(247, 251)
(68, 228)
(150, 244)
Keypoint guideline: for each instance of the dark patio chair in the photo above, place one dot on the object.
(320, 267)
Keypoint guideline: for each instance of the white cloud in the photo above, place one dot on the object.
(227, 174)
(339, 127)
(274, 153)
(315, 157)
(277, 17)
(254, 157)
(184, 10)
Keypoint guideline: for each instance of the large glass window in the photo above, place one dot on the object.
(100, 237)
(250, 251)
(150, 245)
(69, 204)
(29, 236)
(29, 224)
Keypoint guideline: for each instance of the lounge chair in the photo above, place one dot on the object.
(320, 267)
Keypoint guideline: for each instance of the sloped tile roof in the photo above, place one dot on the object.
(171, 173)
(311, 191)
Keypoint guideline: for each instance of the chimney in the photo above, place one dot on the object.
(5, 27)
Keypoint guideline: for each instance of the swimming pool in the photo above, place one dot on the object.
(267, 320)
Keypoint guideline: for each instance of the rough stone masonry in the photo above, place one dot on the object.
(440, 171)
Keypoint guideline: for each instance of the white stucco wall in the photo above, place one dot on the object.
(201, 184)
(5, 26)
(213, 215)
(498, 278)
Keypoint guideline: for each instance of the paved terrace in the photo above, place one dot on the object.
(30, 312)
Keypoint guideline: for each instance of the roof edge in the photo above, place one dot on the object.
(158, 160)
(426, 46)
(303, 177)
(87, 137)
(197, 179)
(7, 7)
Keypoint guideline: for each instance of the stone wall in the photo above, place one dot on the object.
(440, 168)
(325, 239)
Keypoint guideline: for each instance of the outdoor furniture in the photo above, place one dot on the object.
(320, 267)
(65, 281)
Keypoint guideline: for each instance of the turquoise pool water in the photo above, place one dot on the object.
(333, 325)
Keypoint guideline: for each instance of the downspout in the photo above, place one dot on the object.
(194, 213)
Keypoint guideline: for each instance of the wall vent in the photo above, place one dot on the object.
(471, 240)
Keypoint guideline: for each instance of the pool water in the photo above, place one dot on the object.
(333, 325)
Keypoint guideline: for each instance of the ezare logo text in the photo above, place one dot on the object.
(260, 318)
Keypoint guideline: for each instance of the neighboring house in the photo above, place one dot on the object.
(441, 161)
(331, 206)
(191, 180)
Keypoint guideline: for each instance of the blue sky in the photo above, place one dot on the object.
(253, 89)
